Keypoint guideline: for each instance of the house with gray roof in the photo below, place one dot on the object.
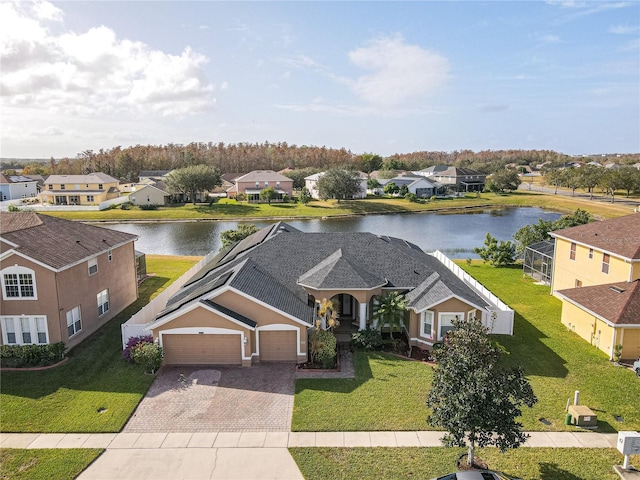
(61, 280)
(17, 187)
(257, 300)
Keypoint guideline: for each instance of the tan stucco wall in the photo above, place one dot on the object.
(630, 343)
(589, 328)
(452, 305)
(147, 196)
(285, 186)
(588, 271)
(635, 271)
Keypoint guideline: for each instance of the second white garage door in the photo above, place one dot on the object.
(201, 349)
(278, 346)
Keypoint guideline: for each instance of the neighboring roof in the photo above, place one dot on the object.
(317, 176)
(408, 181)
(15, 178)
(96, 177)
(263, 176)
(231, 176)
(153, 173)
(458, 172)
(274, 264)
(56, 242)
(544, 247)
(435, 169)
(619, 236)
(618, 303)
(156, 186)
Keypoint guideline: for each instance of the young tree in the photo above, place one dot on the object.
(373, 184)
(504, 180)
(339, 183)
(497, 254)
(532, 233)
(305, 196)
(194, 179)
(403, 191)
(475, 398)
(229, 237)
(268, 194)
(390, 311)
(391, 188)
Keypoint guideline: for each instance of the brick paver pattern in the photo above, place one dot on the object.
(217, 399)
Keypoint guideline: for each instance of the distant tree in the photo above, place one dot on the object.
(229, 237)
(579, 217)
(588, 178)
(497, 253)
(555, 178)
(370, 162)
(391, 188)
(404, 190)
(572, 179)
(475, 397)
(305, 196)
(299, 175)
(628, 178)
(504, 180)
(373, 184)
(390, 312)
(610, 182)
(194, 179)
(339, 183)
(532, 233)
(268, 194)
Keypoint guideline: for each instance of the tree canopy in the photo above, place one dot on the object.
(229, 237)
(268, 194)
(390, 311)
(475, 397)
(537, 232)
(194, 179)
(339, 183)
(497, 253)
(504, 180)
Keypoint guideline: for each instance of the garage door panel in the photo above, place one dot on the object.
(278, 346)
(202, 349)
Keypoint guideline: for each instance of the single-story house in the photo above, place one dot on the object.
(311, 182)
(149, 195)
(257, 300)
(419, 186)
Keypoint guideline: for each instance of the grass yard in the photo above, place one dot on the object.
(69, 398)
(226, 209)
(45, 464)
(393, 463)
(389, 393)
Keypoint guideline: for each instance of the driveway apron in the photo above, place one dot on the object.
(217, 399)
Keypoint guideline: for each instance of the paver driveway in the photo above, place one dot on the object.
(217, 399)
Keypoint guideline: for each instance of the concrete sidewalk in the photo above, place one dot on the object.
(268, 440)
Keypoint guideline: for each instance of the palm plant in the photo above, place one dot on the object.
(390, 311)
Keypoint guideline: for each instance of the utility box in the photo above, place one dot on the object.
(629, 443)
(583, 416)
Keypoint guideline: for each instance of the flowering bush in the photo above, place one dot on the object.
(132, 343)
(149, 355)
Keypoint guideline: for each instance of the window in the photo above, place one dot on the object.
(99, 186)
(257, 184)
(103, 302)
(110, 255)
(18, 283)
(426, 324)
(445, 323)
(266, 184)
(590, 253)
(471, 314)
(24, 330)
(50, 187)
(62, 187)
(605, 262)
(277, 184)
(90, 198)
(77, 186)
(74, 321)
(578, 283)
(93, 266)
(572, 252)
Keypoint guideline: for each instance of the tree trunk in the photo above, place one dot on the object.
(471, 454)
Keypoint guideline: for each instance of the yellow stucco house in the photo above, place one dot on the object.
(89, 189)
(596, 274)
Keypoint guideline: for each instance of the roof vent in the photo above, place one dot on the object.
(616, 289)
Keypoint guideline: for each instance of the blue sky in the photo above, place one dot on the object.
(381, 77)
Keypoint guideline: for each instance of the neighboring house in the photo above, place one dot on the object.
(419, 186)
(17, 187)
(87, 189)
(432, 170)
(256, 302)
(460, 179)
(311, 182)
(149, 195)
(252, 183)
(153, 174)
(603, 259)
(61, 280)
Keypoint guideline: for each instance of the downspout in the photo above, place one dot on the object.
(553, 270)
(613, 342)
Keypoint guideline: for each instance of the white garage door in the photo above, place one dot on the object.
(278, 346)
(205, 349)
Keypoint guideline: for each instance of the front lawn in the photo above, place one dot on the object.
(393, 463)
(389, 393)
(95, 390)
(45, 464)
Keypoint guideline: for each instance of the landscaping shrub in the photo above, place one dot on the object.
(24, 356)
(326, 348)
(412, 197)
(150, 206)
(132, 343)
(368, 339)
(149, 355)
(125, 206)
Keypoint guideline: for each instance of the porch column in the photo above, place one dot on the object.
(362, 316)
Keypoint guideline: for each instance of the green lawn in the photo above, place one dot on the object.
(227, 209)
(389, 393)
(95, 390)
(45, 464)
(424, 463)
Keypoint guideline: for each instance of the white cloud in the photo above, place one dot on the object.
(399, 74)
(623, 29)
(95, 72)
(550, 38)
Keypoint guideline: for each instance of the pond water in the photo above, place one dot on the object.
(454, 234)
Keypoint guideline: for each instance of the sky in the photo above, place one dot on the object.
(379, 77)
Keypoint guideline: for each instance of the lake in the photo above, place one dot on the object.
(454, 234)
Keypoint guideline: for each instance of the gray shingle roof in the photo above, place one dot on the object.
(272, 264)
(56, 242)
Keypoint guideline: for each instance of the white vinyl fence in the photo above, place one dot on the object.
(137, 324)
(499, 318)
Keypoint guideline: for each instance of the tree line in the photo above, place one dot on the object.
(125, 163)
(590, 177)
